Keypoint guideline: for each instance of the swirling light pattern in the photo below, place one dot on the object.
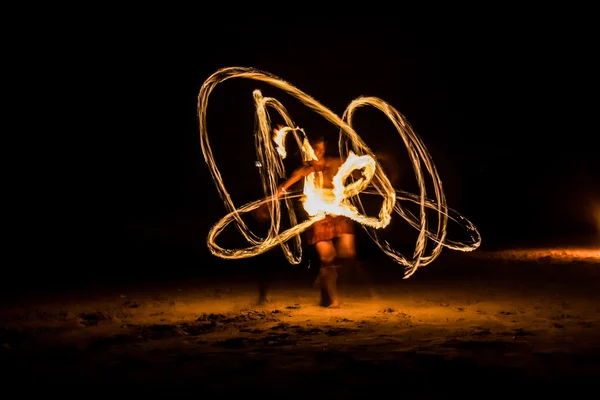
(343, 199)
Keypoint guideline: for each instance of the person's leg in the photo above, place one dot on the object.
(327, 273)
(263, 264)
(346, 246)
(263, 290)
(265, 275)
(352, 270)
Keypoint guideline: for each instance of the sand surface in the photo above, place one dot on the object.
(491, 320)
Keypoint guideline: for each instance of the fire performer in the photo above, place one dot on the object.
(333, 236)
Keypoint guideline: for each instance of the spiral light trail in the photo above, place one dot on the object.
(343, 199)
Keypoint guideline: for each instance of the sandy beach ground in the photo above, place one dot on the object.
(470, 323)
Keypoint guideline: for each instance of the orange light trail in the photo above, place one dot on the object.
(342, 199)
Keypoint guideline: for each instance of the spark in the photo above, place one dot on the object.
(342, 199)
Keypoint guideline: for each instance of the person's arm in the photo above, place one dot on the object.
(262, 213)
(296, 176)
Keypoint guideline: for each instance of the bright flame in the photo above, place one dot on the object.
(342, 199)
(336, 201)
(279, 139)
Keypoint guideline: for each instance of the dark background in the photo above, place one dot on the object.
(505, 114)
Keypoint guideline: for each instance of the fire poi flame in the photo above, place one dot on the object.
(342, 199)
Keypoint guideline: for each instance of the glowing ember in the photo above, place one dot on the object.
(342, 199)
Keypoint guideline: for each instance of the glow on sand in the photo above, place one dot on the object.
(343, 199)
(556, 255)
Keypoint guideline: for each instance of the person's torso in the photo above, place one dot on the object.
(325, 171)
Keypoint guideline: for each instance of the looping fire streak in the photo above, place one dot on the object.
(343, 199)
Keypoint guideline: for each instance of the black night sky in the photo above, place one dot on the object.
(504, 116)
